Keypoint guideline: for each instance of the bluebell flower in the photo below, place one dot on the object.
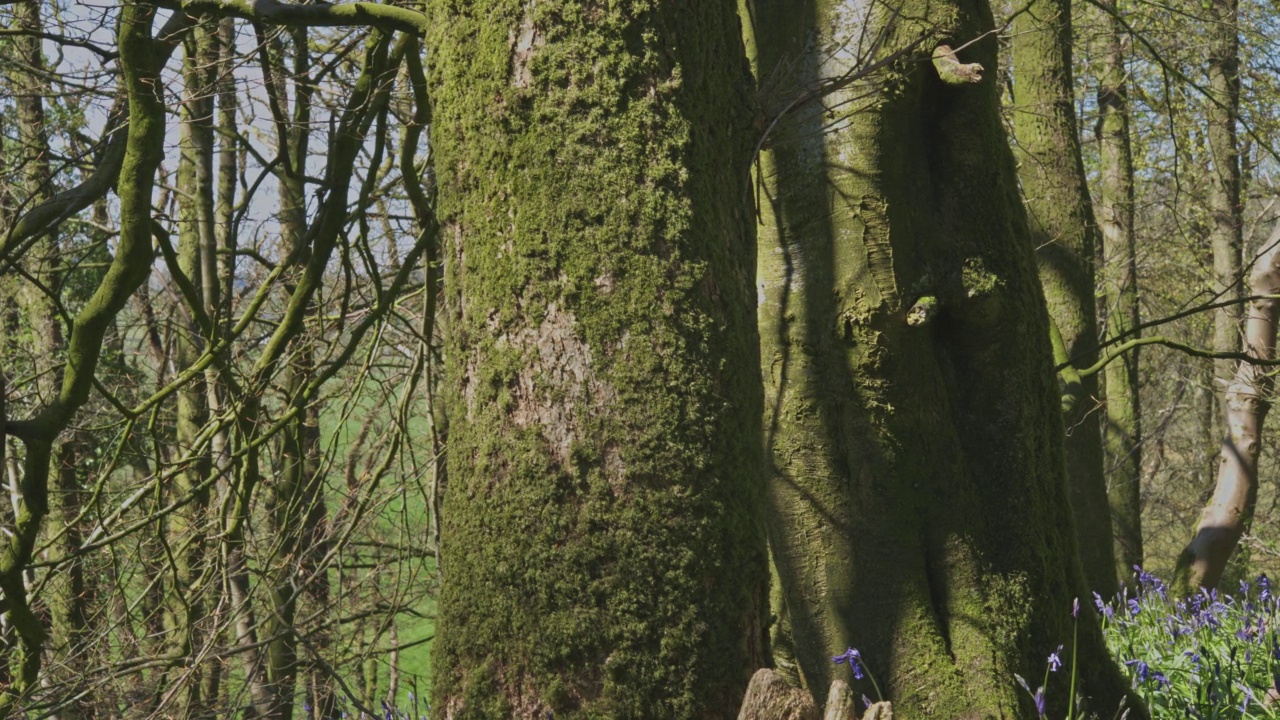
(1141, 668)
(866, 702)
(853, 658)
(1037, 697)
(1104, 608)
(1249, 697)
(1075, 608)
(1134, 608)
(1055, 661)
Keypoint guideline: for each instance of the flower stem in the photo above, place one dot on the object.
(1071, 697)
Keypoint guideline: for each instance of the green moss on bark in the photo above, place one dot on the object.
(601, 547)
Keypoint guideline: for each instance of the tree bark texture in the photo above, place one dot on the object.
(1064, 236)
(1225, 209)
(603, 554)
(1227, 516)
(1122, 428)
(918, 504)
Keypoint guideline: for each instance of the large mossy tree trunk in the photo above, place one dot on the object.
(1065, 238)
(603, 551)
(919, 506)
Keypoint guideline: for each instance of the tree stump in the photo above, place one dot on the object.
(840, 704)
(771, 697)
(879, 711)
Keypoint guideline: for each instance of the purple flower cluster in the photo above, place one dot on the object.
(1210, 655)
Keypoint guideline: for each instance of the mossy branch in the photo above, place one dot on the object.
(923, 311)
(388, 18)
(322, 236)
(1071, 380)
(1119, 350)
(128, 270)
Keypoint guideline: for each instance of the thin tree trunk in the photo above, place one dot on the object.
(187, 602)
(1222, 110)
(1122, 425)
(1225, 210)
(38, 304)
(1065, 238)
(603, 553)
(291, 493)
(1227, 516)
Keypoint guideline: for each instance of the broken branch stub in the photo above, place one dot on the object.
(951, 70)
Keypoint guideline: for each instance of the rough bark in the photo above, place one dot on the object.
(919, 509)
(1064, 235)
(1227, 516)
(602, 550)
(1122, 427)
(840, 702)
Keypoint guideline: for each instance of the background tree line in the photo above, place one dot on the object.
(737, 335)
